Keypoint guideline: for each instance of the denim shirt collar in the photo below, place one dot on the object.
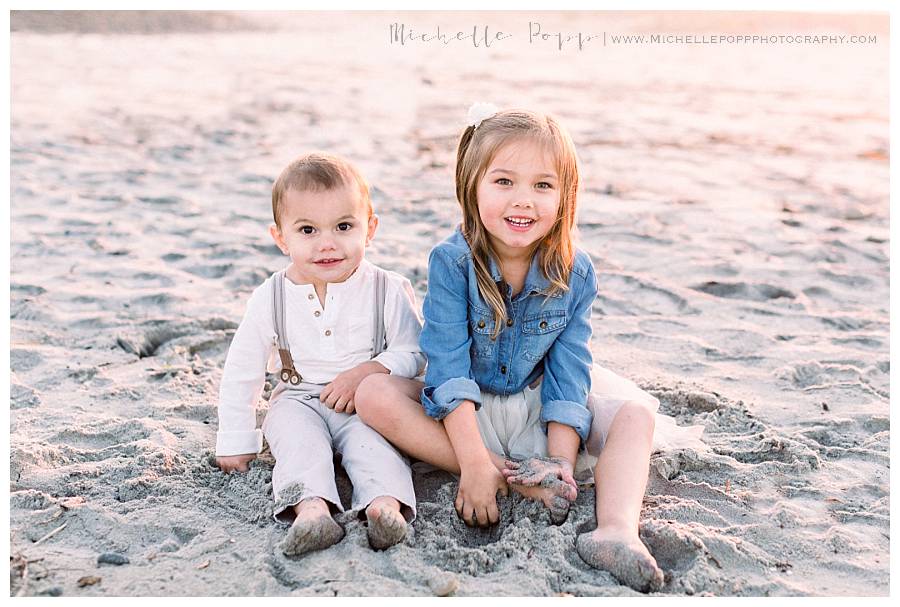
(535, 281)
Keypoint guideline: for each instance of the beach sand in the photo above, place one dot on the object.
(734, 201)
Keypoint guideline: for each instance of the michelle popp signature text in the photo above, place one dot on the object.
(484, 36)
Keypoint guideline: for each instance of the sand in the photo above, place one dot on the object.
(735, 204)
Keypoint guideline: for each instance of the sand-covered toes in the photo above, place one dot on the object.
(310, 534)
(627, 561)
(386, 527)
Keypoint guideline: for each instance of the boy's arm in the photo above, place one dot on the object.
(402, 356)
(242, 381)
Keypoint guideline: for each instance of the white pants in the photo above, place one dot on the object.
(301, 432)
(510, 425)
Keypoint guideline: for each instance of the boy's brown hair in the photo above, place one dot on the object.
(316, 172)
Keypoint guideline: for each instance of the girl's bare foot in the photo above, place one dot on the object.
(313, 529)
(387, 526)
(546, 479)
(622, 554)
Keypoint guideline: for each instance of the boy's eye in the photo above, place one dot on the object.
(344, 226)
(307, 230)
(503, 181)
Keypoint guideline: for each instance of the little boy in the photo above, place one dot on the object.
(321, 316)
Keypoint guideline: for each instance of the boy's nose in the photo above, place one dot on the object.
(326, 244)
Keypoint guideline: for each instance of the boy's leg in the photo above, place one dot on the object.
(381, 477)
(621, 478)
(303, 479)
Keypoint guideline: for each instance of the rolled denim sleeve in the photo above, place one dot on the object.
(445, 338)
(567, 366)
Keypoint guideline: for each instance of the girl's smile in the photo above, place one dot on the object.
(520, 224)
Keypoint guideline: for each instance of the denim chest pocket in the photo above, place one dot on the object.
(539, 331)
(481, 324)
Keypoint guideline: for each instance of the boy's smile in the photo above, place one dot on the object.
(518, 198)
(325, 233)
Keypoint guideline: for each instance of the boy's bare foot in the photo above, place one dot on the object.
(546, 479)
(313, 529)
(623, 555)
(387, 526)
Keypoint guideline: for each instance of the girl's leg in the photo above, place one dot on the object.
(391, 406)
(621, 478)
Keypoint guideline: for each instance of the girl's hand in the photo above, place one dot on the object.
(476, 500)
(535, 470)
(235, 463)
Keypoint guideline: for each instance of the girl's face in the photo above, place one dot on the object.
(518, 198)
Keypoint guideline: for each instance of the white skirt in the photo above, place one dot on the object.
(510, 425)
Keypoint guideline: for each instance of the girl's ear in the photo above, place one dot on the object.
(373, 225)
(275, 233)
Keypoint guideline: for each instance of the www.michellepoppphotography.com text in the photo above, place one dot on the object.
(486, 36)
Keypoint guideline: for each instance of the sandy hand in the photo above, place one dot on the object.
(235, 463)
(476, 499)
(543, 471)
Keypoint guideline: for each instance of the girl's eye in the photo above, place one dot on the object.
(503, 181)
(307, 230)
(543, 185)
(344, 226)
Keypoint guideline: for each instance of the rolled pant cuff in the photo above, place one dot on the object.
(295, 493)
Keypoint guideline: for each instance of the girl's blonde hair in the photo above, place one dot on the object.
(477, 148)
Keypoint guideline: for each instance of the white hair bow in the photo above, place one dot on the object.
(479, 111)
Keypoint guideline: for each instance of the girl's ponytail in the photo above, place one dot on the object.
(461, 182)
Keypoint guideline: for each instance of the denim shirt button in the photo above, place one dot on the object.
(480, 324)
(543, 324)
(509, 322)
(503, 369)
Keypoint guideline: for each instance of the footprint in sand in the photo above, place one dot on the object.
(631, 295)
(743, 290)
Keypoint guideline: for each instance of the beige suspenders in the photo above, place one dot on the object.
(288, 373)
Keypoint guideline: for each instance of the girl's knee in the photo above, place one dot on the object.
(369, 395)
(639, 414)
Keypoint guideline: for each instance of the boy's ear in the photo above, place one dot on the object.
(275, 233)
(373, 225)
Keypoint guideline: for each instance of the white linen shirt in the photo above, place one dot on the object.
(324, 341)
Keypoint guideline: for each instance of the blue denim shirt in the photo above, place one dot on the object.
(547, 335)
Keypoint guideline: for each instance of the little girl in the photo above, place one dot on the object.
(507, 336)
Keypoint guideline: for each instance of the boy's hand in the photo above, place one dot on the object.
(234, 463)
(535, 470)
(338, 395)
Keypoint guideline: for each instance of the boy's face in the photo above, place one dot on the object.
(325, 233)
(518, 198)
